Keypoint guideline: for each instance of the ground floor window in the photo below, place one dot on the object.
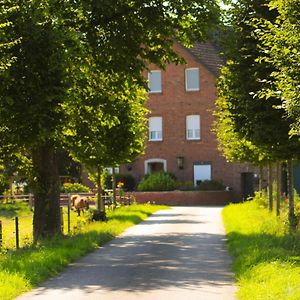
(202, 171)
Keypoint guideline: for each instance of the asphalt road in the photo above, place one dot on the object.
(175, 254)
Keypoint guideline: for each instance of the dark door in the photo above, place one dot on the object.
(156, 167)
(247, 181)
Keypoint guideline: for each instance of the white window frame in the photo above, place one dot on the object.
(207, 168)
(186, 80)
(195, 131)
(154, 160)
(149, 81)
(156, 135)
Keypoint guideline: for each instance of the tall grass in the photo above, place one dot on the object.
(266, 257)
(21, 270)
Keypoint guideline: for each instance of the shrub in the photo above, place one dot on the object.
(185, 185)
(74, 188)
(158, 181)
(127, 179)
(211, 185)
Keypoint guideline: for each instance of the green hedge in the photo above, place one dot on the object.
(74, 188)
(211, 185)
(159, 181)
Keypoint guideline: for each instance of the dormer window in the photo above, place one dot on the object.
(154, 81)
(192, 82)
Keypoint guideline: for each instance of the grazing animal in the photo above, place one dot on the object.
(79, 203)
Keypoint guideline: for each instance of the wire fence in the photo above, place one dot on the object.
(17, 232)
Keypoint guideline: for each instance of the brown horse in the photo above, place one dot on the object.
(79, 203)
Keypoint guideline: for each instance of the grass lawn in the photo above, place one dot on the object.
(21, 270)
(8, 212)
(266, 257)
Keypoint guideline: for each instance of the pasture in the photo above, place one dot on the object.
(8, 213)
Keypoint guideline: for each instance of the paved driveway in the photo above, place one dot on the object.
(177, 253)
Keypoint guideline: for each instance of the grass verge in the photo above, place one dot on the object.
(21, 270)
(266, 257)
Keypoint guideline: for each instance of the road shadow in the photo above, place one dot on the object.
(150, 262)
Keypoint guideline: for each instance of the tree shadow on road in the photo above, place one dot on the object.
(148, 262)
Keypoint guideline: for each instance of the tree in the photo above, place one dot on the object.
(106, 125)
(121, 37)
(256, 117)
(232, 143)
(281, 40)
(32, 91)
(234, 146)
(6, 40)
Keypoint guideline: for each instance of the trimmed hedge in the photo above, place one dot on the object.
(159, 181)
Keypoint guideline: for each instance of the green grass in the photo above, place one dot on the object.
(266, 257)
(21, 270)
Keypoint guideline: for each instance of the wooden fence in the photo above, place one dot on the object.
(65, 201)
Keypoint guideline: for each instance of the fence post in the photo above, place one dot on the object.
(69, 213)
(17, 232)
(30, 201)
(62, 220)
(0, 234)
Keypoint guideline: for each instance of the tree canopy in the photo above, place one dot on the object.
(53, 77)
(280, 40)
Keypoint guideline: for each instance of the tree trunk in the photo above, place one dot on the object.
(278, 187)
(270, 179)
(292, 217)
(100, 200)
(114, 186)
(261, 178)
(46, 189)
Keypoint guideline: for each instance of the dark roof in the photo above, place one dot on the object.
(209, 55)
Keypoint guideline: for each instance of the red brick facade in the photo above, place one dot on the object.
(173, 104)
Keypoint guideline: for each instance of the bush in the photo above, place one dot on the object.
(211, 185)
(74, 188)
(127, 179)
(185, 185)
(159, 181)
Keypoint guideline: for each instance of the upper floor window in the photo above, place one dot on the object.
(193, 127)
(155, 129)
(192, 79)
(154, 81)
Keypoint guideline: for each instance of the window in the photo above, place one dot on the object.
(193, 127)
(155, 129)
(154, 81)
(202, 172)
(192, 79)
(109, 170)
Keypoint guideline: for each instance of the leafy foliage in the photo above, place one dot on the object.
(250, 116)
(74, 188)
(211, 185)
(158, 181)
(6, 40)
(77, 82)
(281, 40)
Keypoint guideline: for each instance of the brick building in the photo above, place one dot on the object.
(181, 100)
